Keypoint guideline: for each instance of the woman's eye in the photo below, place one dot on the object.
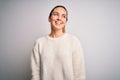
(55, 14)
(64, 16)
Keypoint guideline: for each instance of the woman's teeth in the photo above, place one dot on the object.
(58, 23)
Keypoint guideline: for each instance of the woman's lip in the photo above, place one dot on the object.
(58, 22)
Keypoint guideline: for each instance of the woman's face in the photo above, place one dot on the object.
(58, 18)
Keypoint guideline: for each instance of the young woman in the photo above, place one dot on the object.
(58, 56)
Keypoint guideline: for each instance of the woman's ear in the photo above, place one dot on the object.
(49, 19)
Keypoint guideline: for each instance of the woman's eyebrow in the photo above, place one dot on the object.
(58, 13)
(55, 12)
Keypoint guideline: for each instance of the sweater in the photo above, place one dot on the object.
(59, 58)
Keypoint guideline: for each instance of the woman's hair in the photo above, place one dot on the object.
(50, 14)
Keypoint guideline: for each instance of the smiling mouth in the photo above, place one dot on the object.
(58, 22)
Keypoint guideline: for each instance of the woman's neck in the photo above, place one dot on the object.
(56, 34)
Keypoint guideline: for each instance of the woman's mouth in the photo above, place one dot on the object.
(58, 22)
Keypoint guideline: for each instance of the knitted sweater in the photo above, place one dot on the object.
(57, 59)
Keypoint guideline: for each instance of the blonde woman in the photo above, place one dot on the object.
(58, 56)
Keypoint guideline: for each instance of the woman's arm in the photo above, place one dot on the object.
(35, 62)
(78, 61)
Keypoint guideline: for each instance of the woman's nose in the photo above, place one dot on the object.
(59, 17)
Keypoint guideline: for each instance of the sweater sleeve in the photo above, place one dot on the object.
(35, 62)
(78, 61)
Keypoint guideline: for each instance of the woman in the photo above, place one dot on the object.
(58, 56)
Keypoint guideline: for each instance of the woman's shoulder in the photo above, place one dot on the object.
(41, 39)
(73, 37)
(75, 40)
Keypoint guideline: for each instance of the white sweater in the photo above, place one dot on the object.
(58, 59)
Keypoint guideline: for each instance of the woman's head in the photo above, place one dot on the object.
(50, 14)
(58, 18)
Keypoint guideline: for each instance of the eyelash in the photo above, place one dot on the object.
(56, 14)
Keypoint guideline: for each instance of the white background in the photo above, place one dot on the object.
(95, 22)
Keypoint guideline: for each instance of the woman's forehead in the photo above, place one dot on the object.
(60, 10)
